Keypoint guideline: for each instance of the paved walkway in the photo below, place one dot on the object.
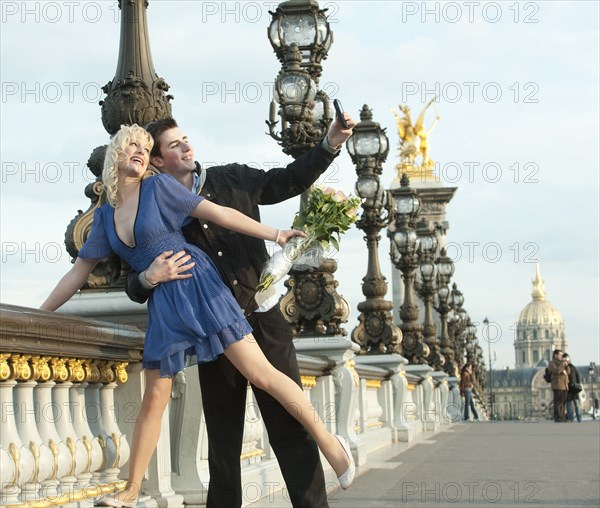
(504, 464)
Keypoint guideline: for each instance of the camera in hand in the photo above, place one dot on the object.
(339, 112)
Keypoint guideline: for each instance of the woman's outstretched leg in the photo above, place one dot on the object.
(248, 358)
(146, 431)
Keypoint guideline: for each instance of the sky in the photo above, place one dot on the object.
(517, 94)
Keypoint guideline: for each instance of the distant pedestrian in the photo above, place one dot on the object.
(560, 384)
(573, 408)
(466, 390)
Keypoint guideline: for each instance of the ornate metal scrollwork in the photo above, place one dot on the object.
(312, 304)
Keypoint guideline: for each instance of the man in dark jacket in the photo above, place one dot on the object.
(573, 392)
(560, 384)
(240, 260)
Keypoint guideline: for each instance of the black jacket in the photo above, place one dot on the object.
(240, 258)
(574, 379)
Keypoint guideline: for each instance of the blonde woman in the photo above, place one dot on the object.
(142, 219)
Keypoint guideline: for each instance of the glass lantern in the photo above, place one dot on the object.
(304, 24)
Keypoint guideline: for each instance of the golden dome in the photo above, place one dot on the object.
(540, 311)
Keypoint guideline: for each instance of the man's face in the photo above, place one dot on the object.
(176, 153)
(558, 355)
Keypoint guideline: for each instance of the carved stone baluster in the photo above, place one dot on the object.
(64, 426)
(441, 409)
(454, 400)
(346, 383)
(95, 419)
(40, 375)
(27, 428)
(428, 414)
(189, 449)
(109, 419)
(46, 417)
(85, 371)
(17, 466)
(400, 385)
(94, 422)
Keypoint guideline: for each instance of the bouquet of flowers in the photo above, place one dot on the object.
(328, 214)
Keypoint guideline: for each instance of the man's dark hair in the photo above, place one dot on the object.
(554, 353)
(156, 128)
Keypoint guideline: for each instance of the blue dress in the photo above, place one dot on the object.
(191, 320)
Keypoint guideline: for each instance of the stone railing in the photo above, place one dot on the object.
(67, 412)
(60, 441)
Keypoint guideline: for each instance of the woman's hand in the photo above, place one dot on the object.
(168, 266)
(284, 235)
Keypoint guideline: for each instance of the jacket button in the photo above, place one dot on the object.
(205, 226)
(220, 254)
(235, 282)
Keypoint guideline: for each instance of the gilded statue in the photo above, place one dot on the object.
(414, 137)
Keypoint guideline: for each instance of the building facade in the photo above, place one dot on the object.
(521, 393)
(540, 328)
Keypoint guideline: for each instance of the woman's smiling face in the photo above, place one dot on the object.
(135, 158)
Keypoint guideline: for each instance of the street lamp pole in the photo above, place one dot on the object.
(136, 94)
(301, 36)
(592, 371)
(403, 251)
(456, 329)
(445, 270)
(487, 330)
(427, 290)
(368, 148)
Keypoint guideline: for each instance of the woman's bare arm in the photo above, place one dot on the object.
(69, 284)
(236, 221)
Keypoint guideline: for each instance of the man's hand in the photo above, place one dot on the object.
(168, 266)
(337, 134)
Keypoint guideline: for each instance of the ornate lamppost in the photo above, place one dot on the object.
(295, 91)
(445, 270)
(427, 289)
(487, 333)
(303, 23)
(455, 328)
(592, 372)
(480, 363)
(471, 352)
(403, 251)
(301, 37)
(136, 94)
(470, 334)
(368, 148)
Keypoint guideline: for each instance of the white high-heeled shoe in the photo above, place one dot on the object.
(347, 477)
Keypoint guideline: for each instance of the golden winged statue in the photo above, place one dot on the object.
(414, 137)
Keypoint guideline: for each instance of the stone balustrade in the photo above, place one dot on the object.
(61, 442)
(71, 387)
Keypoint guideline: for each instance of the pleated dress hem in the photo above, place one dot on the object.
(205, 349)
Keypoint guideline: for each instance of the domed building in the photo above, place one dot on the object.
(522, 393)
(540, 329)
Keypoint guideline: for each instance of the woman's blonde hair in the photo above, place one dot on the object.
(110, 174)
